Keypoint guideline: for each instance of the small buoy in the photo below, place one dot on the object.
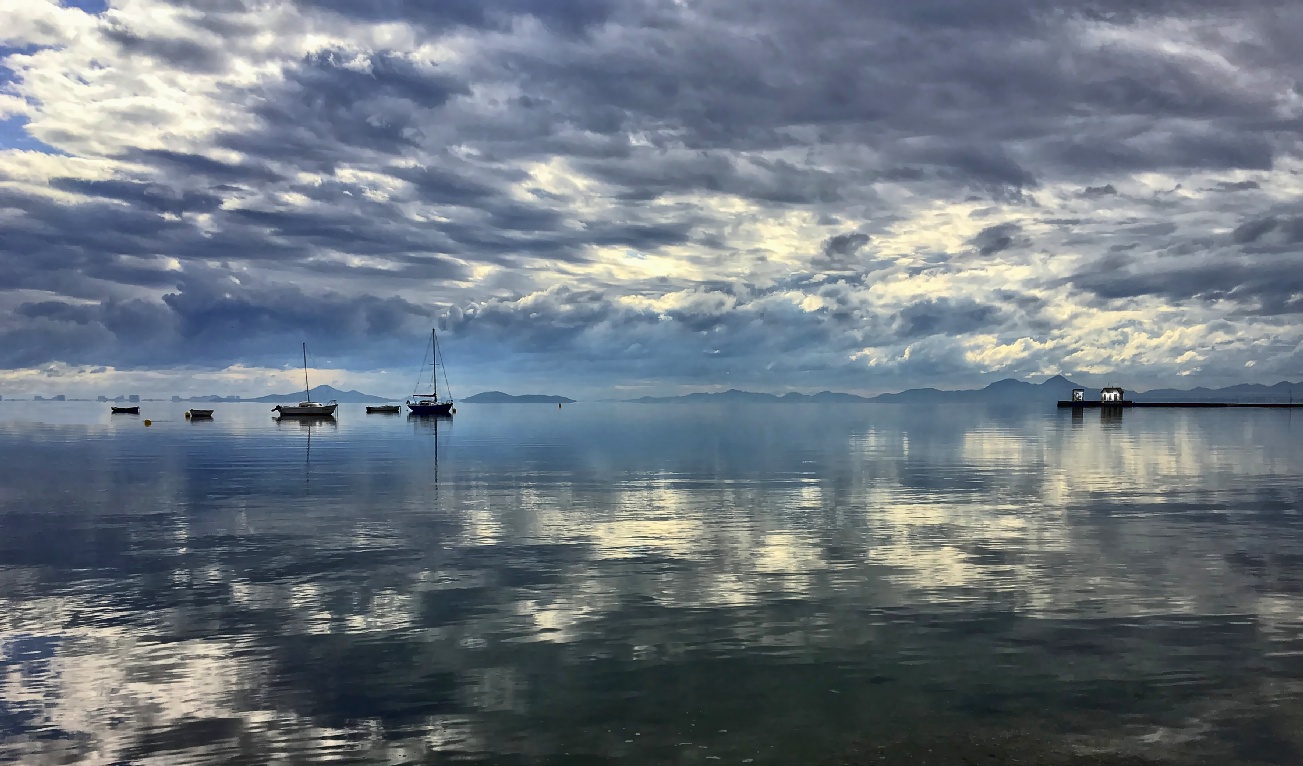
(187, 414)
(149, 422)
(558, 405)
(454, 410)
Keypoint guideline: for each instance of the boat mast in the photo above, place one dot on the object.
(438, 353)
(434, 363)
(307, 392)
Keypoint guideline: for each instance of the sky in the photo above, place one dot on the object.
(608, 197)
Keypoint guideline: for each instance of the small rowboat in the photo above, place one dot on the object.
(125, 410)
(193, 414)
(384, 409)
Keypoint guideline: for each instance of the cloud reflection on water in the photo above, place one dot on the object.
(799, 576)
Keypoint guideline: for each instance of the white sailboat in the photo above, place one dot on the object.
(307, 408)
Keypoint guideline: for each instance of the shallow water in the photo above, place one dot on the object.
(651, 584)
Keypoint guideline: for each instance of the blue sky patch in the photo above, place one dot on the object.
(90, 6)
(14, 135)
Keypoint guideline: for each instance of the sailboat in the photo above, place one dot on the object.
(307, 408)
(431, 403)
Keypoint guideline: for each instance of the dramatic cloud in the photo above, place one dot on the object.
(587, 194)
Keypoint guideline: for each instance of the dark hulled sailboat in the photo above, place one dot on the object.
(432, 404)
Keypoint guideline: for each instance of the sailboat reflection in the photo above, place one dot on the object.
(430, 423)
(307, 425)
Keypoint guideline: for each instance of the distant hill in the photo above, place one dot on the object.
(1003, 391)
(497, 397)
(734, 395)
(322, 394)
(1007, 391)
(1283, 391)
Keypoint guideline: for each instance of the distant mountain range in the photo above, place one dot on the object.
(497, 397)
(1283, 391)
(1008, 391)
(734, 395)
(322, 394)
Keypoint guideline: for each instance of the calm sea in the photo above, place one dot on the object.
(641, 584)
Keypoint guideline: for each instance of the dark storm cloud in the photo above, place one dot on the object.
(59, 331)
(207, 310)
(972, 106)
(1237, 186)
(1262, 288)
(76, 248)
(646, 175)
(1270, 230)
(174, 163)
(639, 236)
(443, 186)
(568, 17)
(207, 319)
(845, 245)
(946, 317)
(1252, 231)
(842, 253)
(1095, 192)
(374, 102)
(1197, 149)
(154, 196)
(62, 247)
(998, 238)
(990, 168)
(178, 53)
(59, 311)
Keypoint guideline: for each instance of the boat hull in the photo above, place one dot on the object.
(300, 411)
(385, 409)
(125, 410)
(200, 414)
(431, 409)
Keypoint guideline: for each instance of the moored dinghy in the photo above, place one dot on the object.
(384, 409)
(125, 410)
(306, 408)
(199, 414)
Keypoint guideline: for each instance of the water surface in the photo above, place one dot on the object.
(651, 584)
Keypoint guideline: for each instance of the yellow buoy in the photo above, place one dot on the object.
(149, 422)
(187, 414)
(454, 410)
